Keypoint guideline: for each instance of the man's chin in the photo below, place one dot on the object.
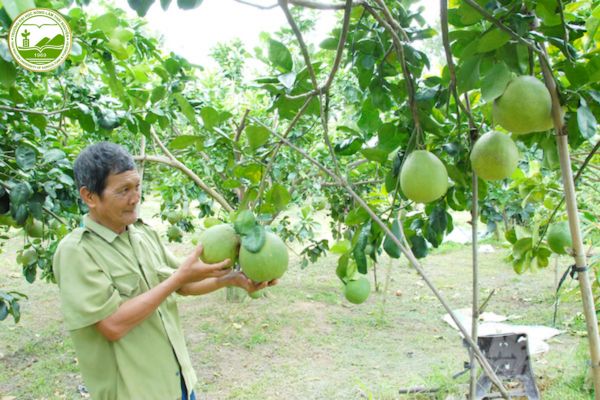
(131, 217)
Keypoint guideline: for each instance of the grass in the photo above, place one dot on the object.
(305, 341)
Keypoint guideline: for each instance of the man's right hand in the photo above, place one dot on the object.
(193, 269)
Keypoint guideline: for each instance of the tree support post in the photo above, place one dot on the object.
(572, 212)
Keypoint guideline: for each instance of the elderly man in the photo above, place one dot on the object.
(117, 286)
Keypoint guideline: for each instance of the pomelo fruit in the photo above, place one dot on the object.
(494, 156)
(559, 237)
(524, 107)
(34, 228)
(357, 291)
(219, 243)
(423, 177)
(28, 257)
(269, 263)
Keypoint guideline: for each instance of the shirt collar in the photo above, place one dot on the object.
(105, 233)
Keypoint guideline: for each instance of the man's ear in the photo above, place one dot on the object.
(88, 197)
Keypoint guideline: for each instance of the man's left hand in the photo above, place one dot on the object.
(239, 279)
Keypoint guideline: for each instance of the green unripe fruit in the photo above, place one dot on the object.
(219, 242)
(559, 237)
(256, 295)
(34, 228)
(269, 263)
(357, 291)
(174, 217)
(524, 107)
(28, 257)
(423, 177)
(174, 233)
(494, 156)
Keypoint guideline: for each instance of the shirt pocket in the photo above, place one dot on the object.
(128, 285)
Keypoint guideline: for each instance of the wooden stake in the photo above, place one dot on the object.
(572, 212)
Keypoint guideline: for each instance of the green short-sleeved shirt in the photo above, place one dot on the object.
(97, 270)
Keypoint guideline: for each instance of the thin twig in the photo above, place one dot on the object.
(278, 146)
(179, 165)
(26, 111)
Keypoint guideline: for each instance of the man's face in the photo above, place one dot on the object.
(116, 208)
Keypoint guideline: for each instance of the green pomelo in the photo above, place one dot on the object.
(219, 242)
(524, 107)
(34, 228)
(269, 263)
(423, 177)
(7, 220)
(28, 257)
(256, 295)
(494, 156)
(174, 233)
(357, 291)
(559, 237)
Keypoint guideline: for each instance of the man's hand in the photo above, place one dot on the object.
(193, 269)
(239, 279)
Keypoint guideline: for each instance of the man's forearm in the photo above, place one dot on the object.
(132, 312)
(204, 286)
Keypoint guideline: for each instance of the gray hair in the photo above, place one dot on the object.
(96, 162)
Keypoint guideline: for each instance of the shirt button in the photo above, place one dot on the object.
(177, 373)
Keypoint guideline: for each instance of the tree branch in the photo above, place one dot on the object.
(179, 165)
(405, 71)
(26, 111)
(288, 15)
(406, 251)
(278, 146)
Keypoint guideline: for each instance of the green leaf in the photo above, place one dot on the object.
(389, 137)
(347, 147)
(210, 117)
(468, 74)
(15, 7)
(418, 246)
(164, 4)
(391, 248)
(375, 154)
(521, 247)
(8, 73)
(257, 136)
(186, 108)
(278, 196)
(188, 4)
(341, 247)
(495, 81)
(53, 155)
(244, 222)
(252, 172)
(280, 56)
(357, 216)
(3, 310)
(359, 249)
(369, 120)
(141, 7)
(254, 239)
(158, 93)
(492, 40)
(586, 121)
(26, 157)
(106, 23)
(185, 141)
(20, 194)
